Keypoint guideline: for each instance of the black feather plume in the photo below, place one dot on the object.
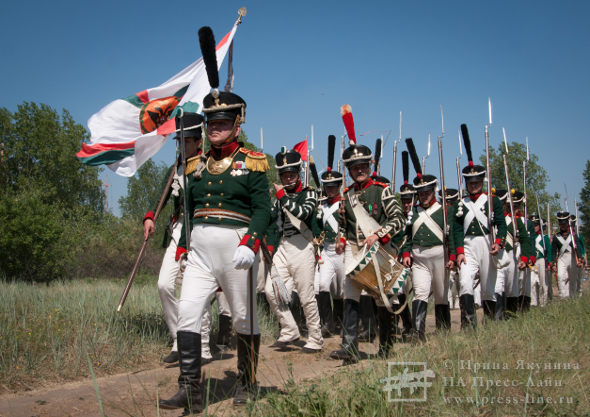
(405, 166)
(331, 147)
(377, 154)
(414, 156)
(314, 172)
(207, 42)
(466, 142)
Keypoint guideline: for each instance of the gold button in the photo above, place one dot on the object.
(206, 204)
(208, 194)
(221, 194)
(209, 183)
(206, 217)
(221, 181)
(219, 205)
(219, 218)
(255, 234)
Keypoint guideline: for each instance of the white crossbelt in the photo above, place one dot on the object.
(424, 218)
(565, 244)
(538, 244)
(328, 215)
(474, 210)
(509, 237)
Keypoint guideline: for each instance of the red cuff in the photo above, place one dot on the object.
(179, 251)
(251, 241)
(343, 241)
(149, 215)
(406, 254)
(271, 249)
(452, 257)
(524, 259)
(533, 259)
(385, 239)
(498, 242)
(280, 193)
(460, 250)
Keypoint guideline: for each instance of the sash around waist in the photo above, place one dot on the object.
(221, 214)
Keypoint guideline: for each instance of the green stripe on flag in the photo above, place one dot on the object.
(107, 157)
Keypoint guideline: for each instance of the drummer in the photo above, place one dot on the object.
(377, 207)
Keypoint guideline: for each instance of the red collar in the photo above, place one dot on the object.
(364, 185)
(474, 197)
(432, 203)
(224, 150)
(332, 200)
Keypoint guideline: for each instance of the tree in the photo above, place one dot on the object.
(584, 206)
(45, 193)
(537, 176)
(144, 190)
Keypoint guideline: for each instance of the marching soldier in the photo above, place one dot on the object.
(581, 257)
(423, 251)
(475, 252)
(227, 199)
(452, 197)
(332, 268)
(169, 271)
(565, 258)
(290, 232)
(371, 206)
(539, 274)
(511, 277)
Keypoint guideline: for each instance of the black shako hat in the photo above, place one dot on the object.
(471, 172)
(193, 124)
(288, 160)
(331, 177)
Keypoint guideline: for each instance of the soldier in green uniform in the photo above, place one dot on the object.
(475, 252)
(423, 251)
(566, 257)
(540, 278)
(381, 218)
(229, 208)
(581, 258)
(452, 197)
(290, 235)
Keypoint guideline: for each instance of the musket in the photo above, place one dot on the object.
(541, 223)
(444, 202)
(394, 166)
(524, 163)
(145, 241)
(459, 179)
(549, 235)
(489, 175)
(578, 223)
(511, 203)
(569, 221)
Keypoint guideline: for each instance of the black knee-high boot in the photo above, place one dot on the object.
(386, 331)
(247, 388)
(419, 309)
(338, 314)
(442, 315)
(468, 317)
(189, 381)
(368, 327)
(500, 306)
(405, 315)
(349, 350)
(224, 332)
(326, 313)
(489, 309)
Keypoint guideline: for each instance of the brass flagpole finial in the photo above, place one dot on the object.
(241, 12)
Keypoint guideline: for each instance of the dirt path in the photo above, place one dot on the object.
(136, 393)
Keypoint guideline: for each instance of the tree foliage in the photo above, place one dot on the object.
(584, 206)
(44, 192)
(536, 176)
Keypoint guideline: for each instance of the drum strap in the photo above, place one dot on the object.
(378, 274)
(364, 221)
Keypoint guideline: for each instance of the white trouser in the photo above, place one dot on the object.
(524, 278)
(539, 284)
(316, 278)
(566, 270)
(209, 266)
(206, 331)
(295, 265)
(478, 258)
(332, 271)
(167, 283)
(453, 282)
(428, 271)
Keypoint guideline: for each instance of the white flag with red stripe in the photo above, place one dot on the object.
(129, 131)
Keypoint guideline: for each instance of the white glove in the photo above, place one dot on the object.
(243, 257)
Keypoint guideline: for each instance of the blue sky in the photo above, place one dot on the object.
(296, 63)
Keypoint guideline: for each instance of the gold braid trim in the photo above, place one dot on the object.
(191, 164)
(255, 161)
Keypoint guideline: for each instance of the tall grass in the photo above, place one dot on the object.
(48, 332)
(501, 369)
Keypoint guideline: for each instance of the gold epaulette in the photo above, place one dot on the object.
(382, 184)
(255, 161)
(191, 164)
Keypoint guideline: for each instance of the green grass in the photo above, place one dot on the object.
(49, 332)
(496, 358)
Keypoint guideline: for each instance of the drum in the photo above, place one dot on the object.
(362, 270)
